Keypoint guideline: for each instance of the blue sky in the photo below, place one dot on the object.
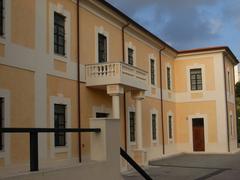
(187, 24)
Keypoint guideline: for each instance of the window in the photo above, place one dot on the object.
(1, 17)
(170, 127)
(154, 127)
(229, 83)
(130, 56)
(1, 122)
(196, 79)
(59, 34)
(132, 126)
(152, 66)
(59, 122)
(102, 48)
(101, 115)
(168, 78)
(232, 125)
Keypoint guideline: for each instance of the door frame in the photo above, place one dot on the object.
(205, 121)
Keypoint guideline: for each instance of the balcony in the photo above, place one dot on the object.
(100, 75)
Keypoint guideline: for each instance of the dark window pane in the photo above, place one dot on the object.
(102, 48)
(132, 126)
(154, 127)
(1, 17)
(60, 122)
(170, 135)
(169, 78)
(196, 79)
(152, 64)
(1, 121)
(130, 56)
(59, 34)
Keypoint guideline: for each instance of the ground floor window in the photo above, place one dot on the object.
(154, 127)
(60, 122)
(170, 127)
(1, 122)
(132, 126)
(231, 125)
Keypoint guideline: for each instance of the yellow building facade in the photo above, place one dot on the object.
(59, 60)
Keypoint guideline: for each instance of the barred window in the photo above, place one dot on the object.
(154, 127)
(170, 128)
(152, 64)
(168, 78)
(130, 56)
(59, 34)
(196, 79)
(60, 122)
(1, 17)
(1, 122)
(102, 48)
(132, 126)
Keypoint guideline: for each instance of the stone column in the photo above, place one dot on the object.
(115, 91)
(139, 96)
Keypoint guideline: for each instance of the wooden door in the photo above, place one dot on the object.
(198, 134)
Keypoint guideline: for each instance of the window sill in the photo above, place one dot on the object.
(2, 154)
(60, 57)
(63, 149)
(132, 143)
(3, 39)
(196, 91)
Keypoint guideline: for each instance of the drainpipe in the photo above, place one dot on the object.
(161, 94)
(78, 84)
(124, 95)
(225, 84)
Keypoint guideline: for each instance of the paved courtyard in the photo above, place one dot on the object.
(194, 166)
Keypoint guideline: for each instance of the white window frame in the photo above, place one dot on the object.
(131, 46)
(5, 153)
(196, 66)
(170, 114)
(154, 141)
(151, 57)
(100, 30)
(67, 148)
(171, 84)
(58, 8)
(131, 143)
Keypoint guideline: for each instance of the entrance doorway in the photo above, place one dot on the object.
(198, 134)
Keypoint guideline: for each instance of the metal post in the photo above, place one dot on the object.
(33, 151)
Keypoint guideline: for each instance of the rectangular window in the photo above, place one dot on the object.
(168, 78)
(154, 127)
(170, 128)
(59, 34)
(130, 56)
(102, 48)
(232, 125)
(1, 121)
(152, 64)
(196, 79)
(1, 17)
(229, 83)
(132, 126)
(60, 122)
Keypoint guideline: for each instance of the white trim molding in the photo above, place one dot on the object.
(170, 114)
(101, 109)
(68, 148)
(101, 30)
(156, 141)
(59, 8)
(205, 120)
(196, 66)
(5, 154)
(131, 46)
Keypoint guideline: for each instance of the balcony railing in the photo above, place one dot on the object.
(116, 73)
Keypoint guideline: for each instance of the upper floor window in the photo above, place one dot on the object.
(196, 79)
(130, 56)
(170, 127)
(132, 125)
(154, 127)
(169, 78)
(59, 34)
(1, 121)
(102, 48)
(229, 82)
(152, 69)
(60, 122)
(1, 17)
